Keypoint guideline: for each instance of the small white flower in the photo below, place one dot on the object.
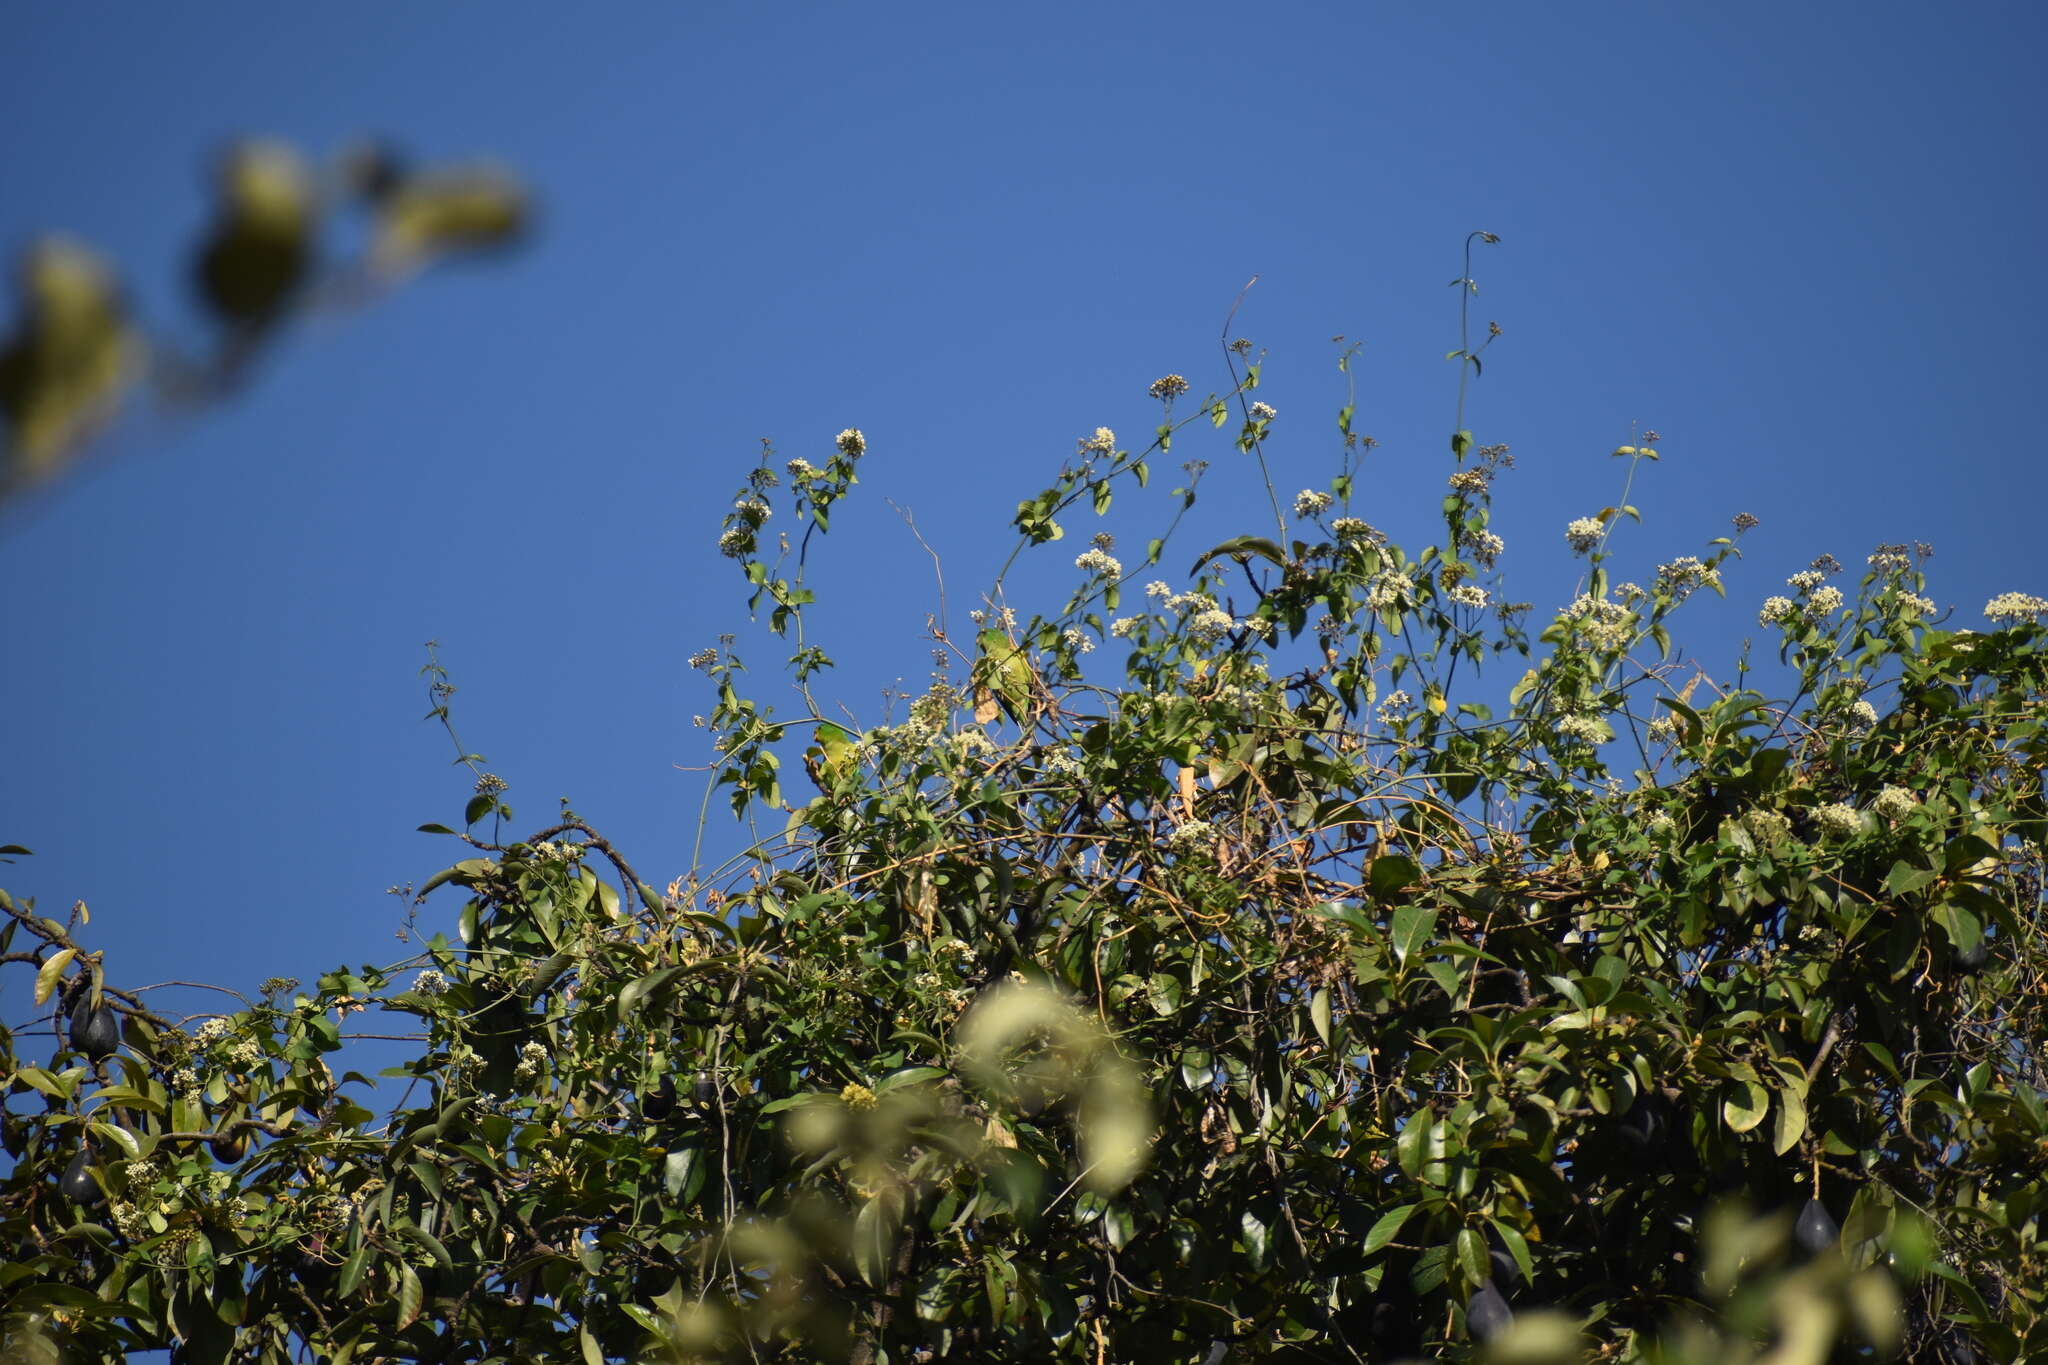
(752, 511)
(1468, 595)
(1806, 579)
(1263, 412)
(1125, 626)
(736, 542)
(704, 658)
(1062, 763)
(1099, 563)
(1389, 589)
(1895, 803)
(1684, 574)
(1211, 625)
(801, 469)
(1767, 826)
(1393, 705)
(1484, 547)
(211, 1032)
(1582, 729)
(1824, 602)
(1191, 835)
(430, 982)
(1157, 589)
(1583, 534)
(1662, 826)
(1470, 482)
(1311, 503)
(1351, 529)
(1103, 442)
(1077, 640)
(1664, 729)
(1605, 626)
(1838, 819)
(2015, 607)
(1912, 604)
(1862, 715)
(1775, 610)
(851, 443)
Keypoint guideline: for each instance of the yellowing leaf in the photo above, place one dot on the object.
(46, 977)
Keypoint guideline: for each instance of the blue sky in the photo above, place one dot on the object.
(1794, 239)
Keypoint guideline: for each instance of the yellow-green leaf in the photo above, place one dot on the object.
(47, 975)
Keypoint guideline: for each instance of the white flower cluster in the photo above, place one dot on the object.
(1470, 482)
(1684, 574)
(1776, 610)
(1806, 580)
(430, 982)
(1191, 836)
(801, 468)
(1912, 604)
(1393, 705)
(1062, 763)
(1664, 729)
(211, 1032)
(1311, 503)
(1607, 626)
(1263, 412)
(1583, 534)
(1468, 595)
(752, 511)
(1125, 626)
(1103, 442)
(1582, 729)
(1768, 826)
(1389, 589)
(1890, 559)
(1002, 616)
(1484, 547)
(736, 542)
(1862, 715)
(851, 443)
(1824, 602)
(704, 658)
(974, 743)
(2016, 607)
(1100, 563)
(533, 1058)
(1211, 624)
(1349, 529)
(1894, 803)
(1662, 826)
(1838, 819)
(1077, 640)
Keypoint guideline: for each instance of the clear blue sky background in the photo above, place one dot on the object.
(1796, 239)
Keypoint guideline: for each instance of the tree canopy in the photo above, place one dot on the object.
(1291, 949)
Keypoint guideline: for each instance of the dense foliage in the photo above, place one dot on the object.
(1366, 967)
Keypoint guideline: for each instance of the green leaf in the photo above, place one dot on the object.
(1254, 1230)
(1391, 873)
(1319, 1013)
(1241, 547)
(1744, 1105)
(1472, 1258)
(681, 1176)
(1791, 1124)
(1387, 1227)
(1411, 929)
(410, 1293)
